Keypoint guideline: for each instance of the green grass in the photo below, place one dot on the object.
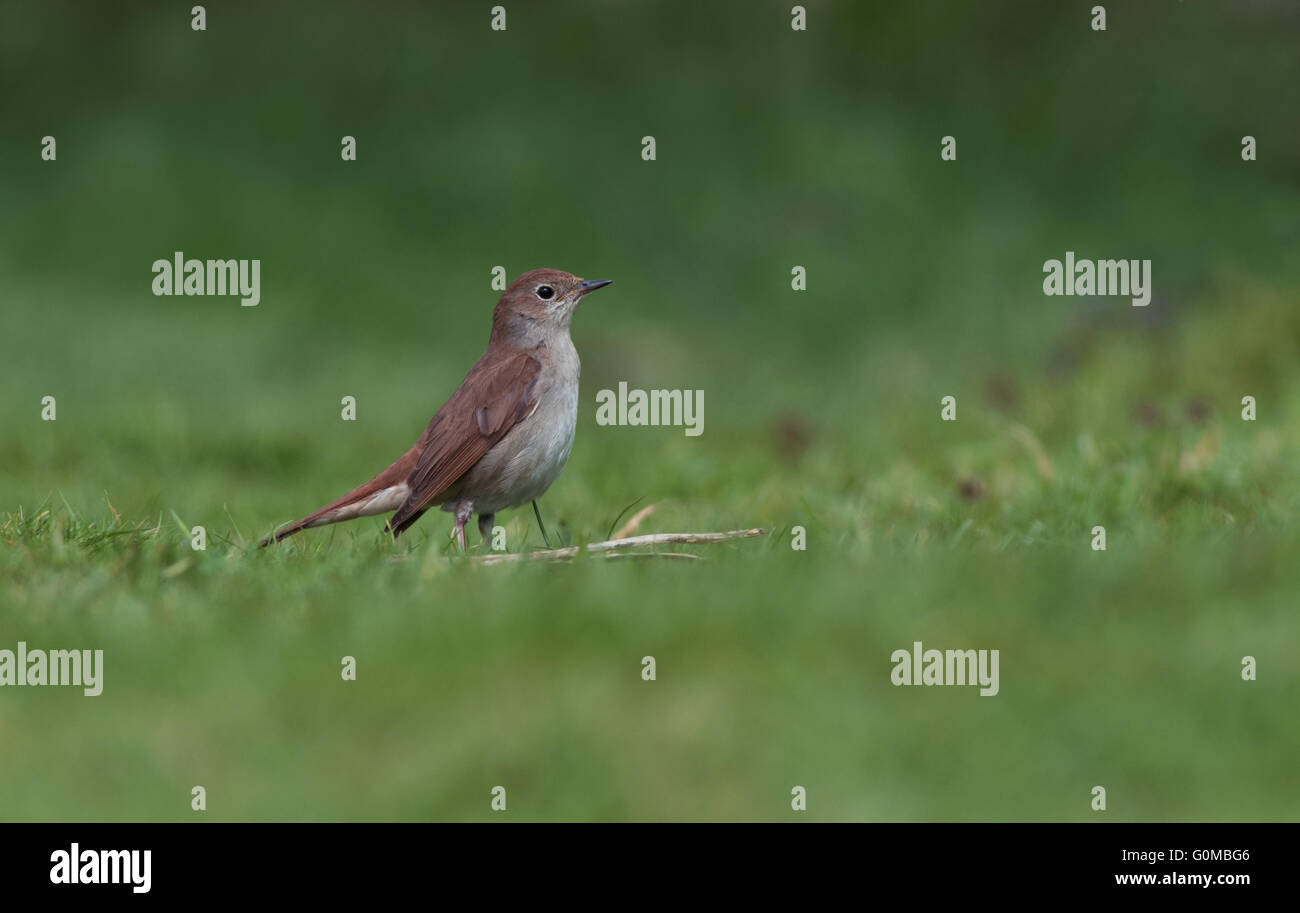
(1119, 668)
(822, 409)
(772, 671)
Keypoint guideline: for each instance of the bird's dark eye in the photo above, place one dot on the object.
(546, 293)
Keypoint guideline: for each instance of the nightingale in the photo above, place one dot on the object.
(505, 434)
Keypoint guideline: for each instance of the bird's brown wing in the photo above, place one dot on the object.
(495, 396)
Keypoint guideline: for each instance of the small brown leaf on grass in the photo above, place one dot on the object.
(1002, 391)
(630, 526)
(180, 567)
(1147, 414)
(792, 434)
(1202, 455)
(1028, 440)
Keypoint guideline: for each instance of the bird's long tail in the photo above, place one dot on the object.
(384, 493)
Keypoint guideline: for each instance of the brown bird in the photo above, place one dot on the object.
(505, 434)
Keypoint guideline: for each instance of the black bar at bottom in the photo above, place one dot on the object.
(335, 861)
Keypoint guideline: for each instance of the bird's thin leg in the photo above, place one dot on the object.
(485, 526)
(545, 538)
(464, 510)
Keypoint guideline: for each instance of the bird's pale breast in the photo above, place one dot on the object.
(531, 456)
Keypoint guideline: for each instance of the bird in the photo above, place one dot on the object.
(503, 437)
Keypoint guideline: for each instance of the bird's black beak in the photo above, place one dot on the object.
(590, 285)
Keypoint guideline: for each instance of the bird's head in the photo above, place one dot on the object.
(539, 303)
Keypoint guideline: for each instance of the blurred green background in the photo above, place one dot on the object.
(775, 148)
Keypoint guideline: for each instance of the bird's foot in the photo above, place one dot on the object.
(464, 510)
(485, 527)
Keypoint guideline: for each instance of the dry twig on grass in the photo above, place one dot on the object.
(612, 545)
